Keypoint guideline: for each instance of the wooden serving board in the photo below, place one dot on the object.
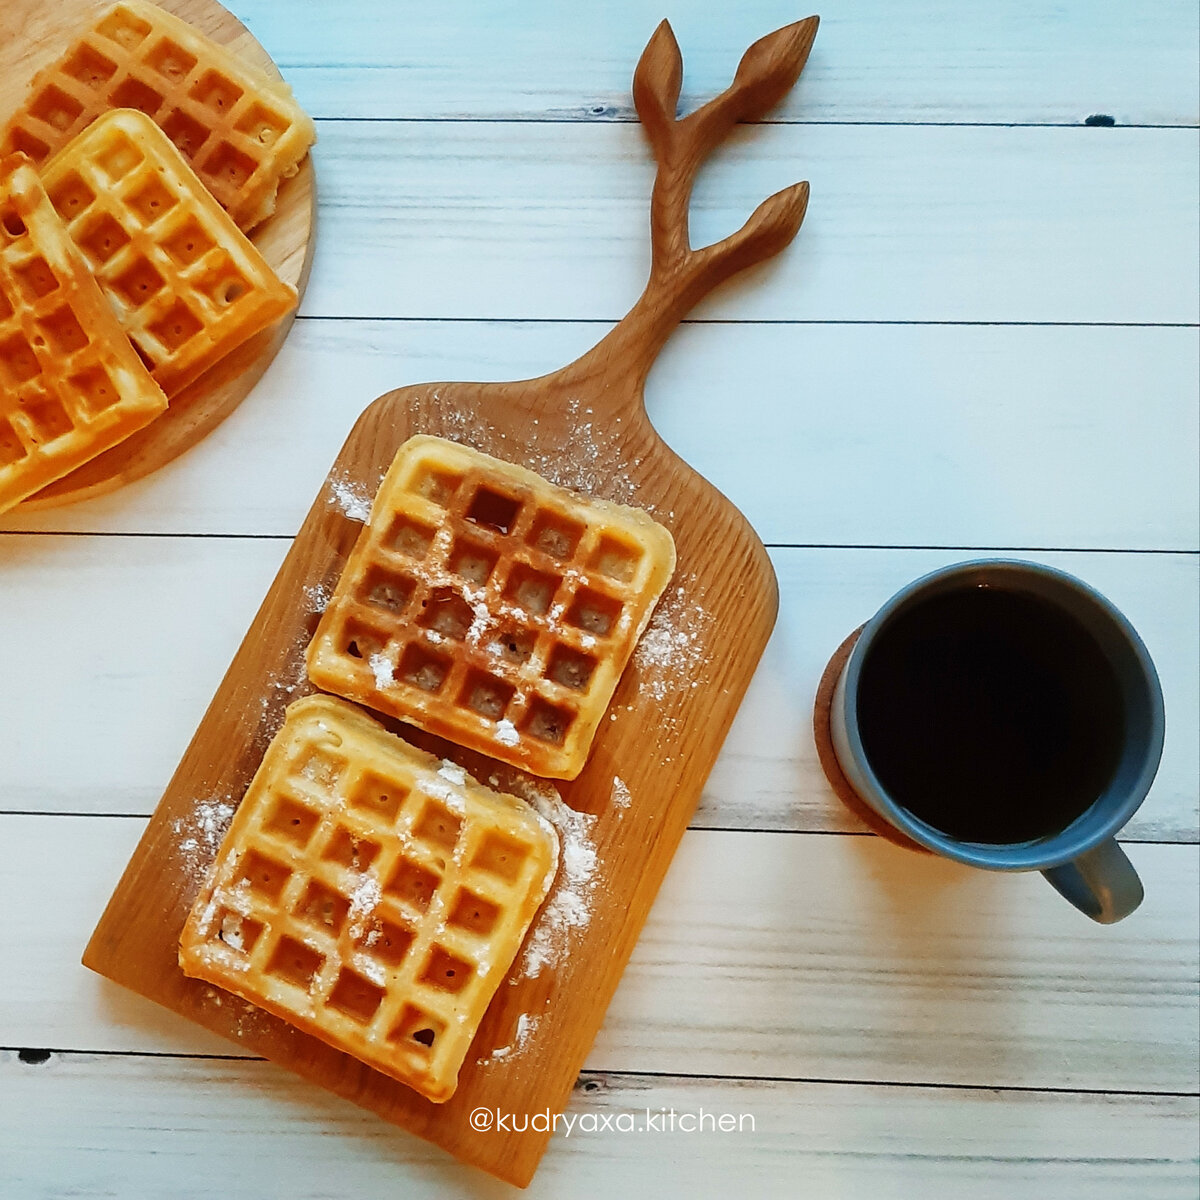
(584, 427)
(32, 34)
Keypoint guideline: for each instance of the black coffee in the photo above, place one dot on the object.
(990, 715)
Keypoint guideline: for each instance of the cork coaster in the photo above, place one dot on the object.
(828, 759)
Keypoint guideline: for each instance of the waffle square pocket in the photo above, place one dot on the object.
(241, 131)
(187, 285)
(488, 606)
(370, 895)
(71, 385)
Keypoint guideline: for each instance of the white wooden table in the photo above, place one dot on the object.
(984, 340)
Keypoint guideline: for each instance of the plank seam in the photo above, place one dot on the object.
(764, 829)
(770, 321)
(592, 1073)
(280, 537)
(629, 117)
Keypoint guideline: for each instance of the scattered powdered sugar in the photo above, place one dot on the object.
(671, 651)
(596, 464)
(621, 795)
(506, 733)
(382, 669)
(481, 618)
(291, 680)
(250, 1019)
(351, 497)
(363, 902)
(526, 1026)
(200, 833)
(373, 970)
(318, 596)
(453, 772)
(445, 784)
(569, 905)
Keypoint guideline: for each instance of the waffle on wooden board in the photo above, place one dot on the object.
(71, 385)
(490, 607)
(241, 131)
(188, 286)
(370, 895)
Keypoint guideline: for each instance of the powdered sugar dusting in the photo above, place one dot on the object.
(526, 1027)
(363, 902)
(569, 905)
(199, 835)
(453, 772)
(672, 650)
(351, 497)
(446, 784)
(597, 464)
(621, 796)
(382, 669)
(506, 733)
(318, 596)
(291, 681)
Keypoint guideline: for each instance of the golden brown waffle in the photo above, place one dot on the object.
(370, 895)
(241, 131)
(186, 283)
(71, 385)
(488, 606)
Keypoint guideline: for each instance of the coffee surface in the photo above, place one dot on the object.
(991, 715)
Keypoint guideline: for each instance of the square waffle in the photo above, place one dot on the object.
(71, 385)
(241, 131)
(187, 285)
(370, 895)
(488, 606)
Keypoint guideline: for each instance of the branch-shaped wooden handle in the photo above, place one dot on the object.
(680, 275)
(764, 76)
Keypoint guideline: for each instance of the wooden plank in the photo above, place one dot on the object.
(527, 220)
(151, 677)
(767, 955)
(1019, 61)
(1096, 469)
(248, 1128)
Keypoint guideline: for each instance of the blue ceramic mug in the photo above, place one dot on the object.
(1006, 715)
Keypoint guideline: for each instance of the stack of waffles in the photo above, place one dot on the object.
(366, 892)
(158, 150)
(241, 132)
(73, 384)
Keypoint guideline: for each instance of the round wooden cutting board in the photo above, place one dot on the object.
(32, 34)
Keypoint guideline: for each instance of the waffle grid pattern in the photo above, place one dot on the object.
(71, 385)
(186, 283)
(241, 131)
(490, 607)
(367, 898)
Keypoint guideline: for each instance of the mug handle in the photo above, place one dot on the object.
(1101, 883)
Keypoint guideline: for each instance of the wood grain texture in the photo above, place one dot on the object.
(929, 460)
(853, 1142)
(146, 594)
(33, 34)
(1018, 61)
(584, 426)
(849, 960)
(914, 223)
